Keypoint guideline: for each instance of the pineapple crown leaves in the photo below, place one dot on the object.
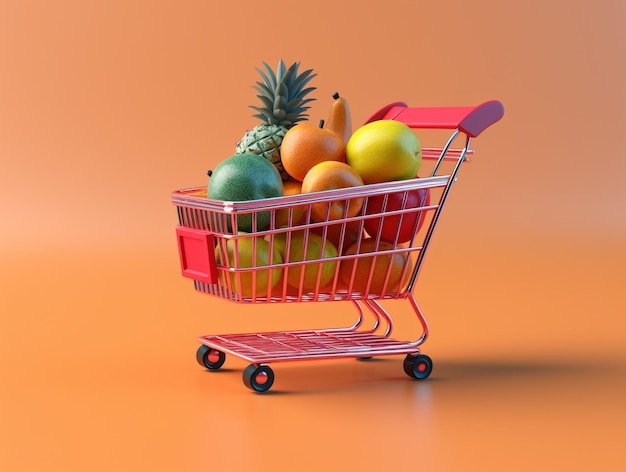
(282, 94)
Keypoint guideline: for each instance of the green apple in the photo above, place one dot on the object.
(384, 150)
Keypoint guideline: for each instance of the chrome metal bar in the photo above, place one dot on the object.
(433, 224)
(375, 305)
(422, 320)
(444, 152)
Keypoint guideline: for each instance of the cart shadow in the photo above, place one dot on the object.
(221, 370)
(386, 373)
(321, 377)
(450, 370)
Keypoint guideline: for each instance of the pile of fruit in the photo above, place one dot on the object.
(286, 154)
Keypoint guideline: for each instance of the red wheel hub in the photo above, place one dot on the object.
(261, 378)
(213, 356)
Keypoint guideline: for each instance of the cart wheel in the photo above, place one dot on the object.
(418, 366)
(210, 358)
(259, 379)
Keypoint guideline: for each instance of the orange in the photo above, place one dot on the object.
(305, 145)
(375, 265)
(298, 212)
(331, 175)
(352, 231)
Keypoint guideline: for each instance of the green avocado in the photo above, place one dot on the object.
(244, 177)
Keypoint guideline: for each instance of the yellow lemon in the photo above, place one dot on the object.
(253, 257)
(384, 150)
(302, 246)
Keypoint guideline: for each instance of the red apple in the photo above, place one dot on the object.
(405, 224)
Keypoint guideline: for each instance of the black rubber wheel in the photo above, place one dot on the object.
(258, 378)
(418, 366)
(210, 358)
(364, 358)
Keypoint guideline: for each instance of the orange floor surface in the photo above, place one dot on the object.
(108, 107)
(99, 373)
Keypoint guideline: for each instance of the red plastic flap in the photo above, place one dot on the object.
(470, 120)
(197, 254)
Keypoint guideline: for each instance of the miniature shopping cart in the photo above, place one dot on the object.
(364, 259)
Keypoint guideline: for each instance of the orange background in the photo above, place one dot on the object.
(106, 107)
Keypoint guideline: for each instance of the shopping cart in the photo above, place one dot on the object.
(364, 259)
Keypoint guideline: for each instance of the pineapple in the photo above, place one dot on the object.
(282, 94)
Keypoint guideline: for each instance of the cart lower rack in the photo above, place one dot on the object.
(376, 255)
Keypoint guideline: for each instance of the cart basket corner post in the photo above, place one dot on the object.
(363, 258)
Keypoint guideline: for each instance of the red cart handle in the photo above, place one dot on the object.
(470, 120)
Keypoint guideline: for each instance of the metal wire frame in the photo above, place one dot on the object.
(221, 218)
(356, 340)
(266, 347)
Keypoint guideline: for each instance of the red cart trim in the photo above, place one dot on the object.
(470, 120)
(197, 254)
